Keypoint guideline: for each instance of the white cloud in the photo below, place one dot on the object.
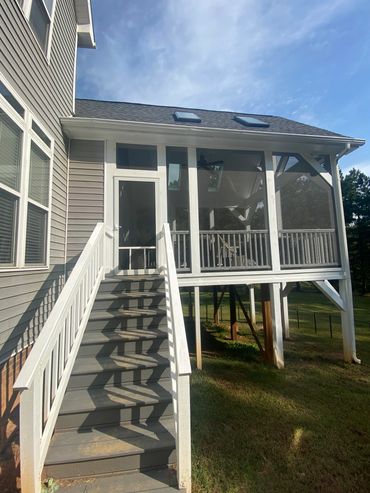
(363, 166)
(202, 53)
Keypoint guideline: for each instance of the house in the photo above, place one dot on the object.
(107, 210)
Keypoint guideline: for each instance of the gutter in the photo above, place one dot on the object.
(70, 123)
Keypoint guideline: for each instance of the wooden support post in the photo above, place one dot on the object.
(190, 305)
(285, 311)
(267, 322)
(271, 313)
(252, 303)
(198, 334)
(233, 320)
(215, 305)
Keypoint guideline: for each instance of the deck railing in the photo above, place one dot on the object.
(44, 377)
(180, 362)
(308, 248)
(234, 250)
(181, 250)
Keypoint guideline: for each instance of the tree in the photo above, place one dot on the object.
(356, 202)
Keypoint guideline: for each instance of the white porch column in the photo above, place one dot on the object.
(272, 211)
(345, 285)
(198, 334)
(277, 328)
(162, 199)
(252, 303)
(285, 311)
(194, 210)
(348, 322)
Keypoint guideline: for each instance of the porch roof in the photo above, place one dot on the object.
(147, 113)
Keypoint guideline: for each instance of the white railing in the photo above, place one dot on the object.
(134, 253)
(180, 362)
(44, 377)
(308, 248)
(234, 250)
(181, 250)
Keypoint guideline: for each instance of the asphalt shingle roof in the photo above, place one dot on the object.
(135, 112)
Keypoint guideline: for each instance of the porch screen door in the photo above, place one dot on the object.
(137, 226)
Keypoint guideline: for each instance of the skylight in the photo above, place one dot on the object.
(249, 121)
(185, 116)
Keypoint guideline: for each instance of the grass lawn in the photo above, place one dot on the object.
(302, 429)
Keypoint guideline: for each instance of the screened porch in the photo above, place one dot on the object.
(233, 223)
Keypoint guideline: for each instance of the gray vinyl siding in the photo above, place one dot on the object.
(47, 89)
(86, 193)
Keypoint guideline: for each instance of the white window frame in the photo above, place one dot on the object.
(28, 136)
(26, 9)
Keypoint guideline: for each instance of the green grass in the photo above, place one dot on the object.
(302, 429)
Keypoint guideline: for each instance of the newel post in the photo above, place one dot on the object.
(184, 434)
(30, 436)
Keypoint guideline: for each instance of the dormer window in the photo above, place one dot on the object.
(40, 15)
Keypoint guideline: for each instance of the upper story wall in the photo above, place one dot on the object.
(46, 87)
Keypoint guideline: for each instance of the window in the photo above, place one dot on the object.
(25, 170)
(131, 156)
(40, 14)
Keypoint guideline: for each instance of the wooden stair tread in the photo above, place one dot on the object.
(123, 312)
(123, 396)
(103, 336)
(158, 481)
(110, 441)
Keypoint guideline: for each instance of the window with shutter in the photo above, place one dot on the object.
(10, 152)
(25, 171)
(40, 16)
(36, 235)
(8, 224)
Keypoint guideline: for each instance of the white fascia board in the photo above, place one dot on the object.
(85, 28)
(258, 277)
(96, 128)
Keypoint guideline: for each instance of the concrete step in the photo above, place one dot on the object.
(101, 450)
(111, 405)
(122, 319)
(132, 299)
(101, 343)
(96, 371)
(153, 480)
(126, 284)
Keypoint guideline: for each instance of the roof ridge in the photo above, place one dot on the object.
(176, 107)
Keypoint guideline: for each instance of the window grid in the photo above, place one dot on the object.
(29, 138)
(46, 9)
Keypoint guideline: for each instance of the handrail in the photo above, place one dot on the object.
(180, 363)
(44, 377)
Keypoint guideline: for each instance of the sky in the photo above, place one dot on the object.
(304, 60)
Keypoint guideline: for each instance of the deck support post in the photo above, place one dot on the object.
(285, 311)
(252, 304)
(233, 318)
(215, 305)
(198, 333)
(272, 324)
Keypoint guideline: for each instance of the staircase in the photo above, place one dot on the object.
(115, 429)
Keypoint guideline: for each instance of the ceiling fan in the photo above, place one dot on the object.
(208, 165)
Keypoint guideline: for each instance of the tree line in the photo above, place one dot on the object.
(356, 202)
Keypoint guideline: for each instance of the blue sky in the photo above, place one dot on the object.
(305, 60)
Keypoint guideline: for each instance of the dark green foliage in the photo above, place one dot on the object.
(356, 201)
